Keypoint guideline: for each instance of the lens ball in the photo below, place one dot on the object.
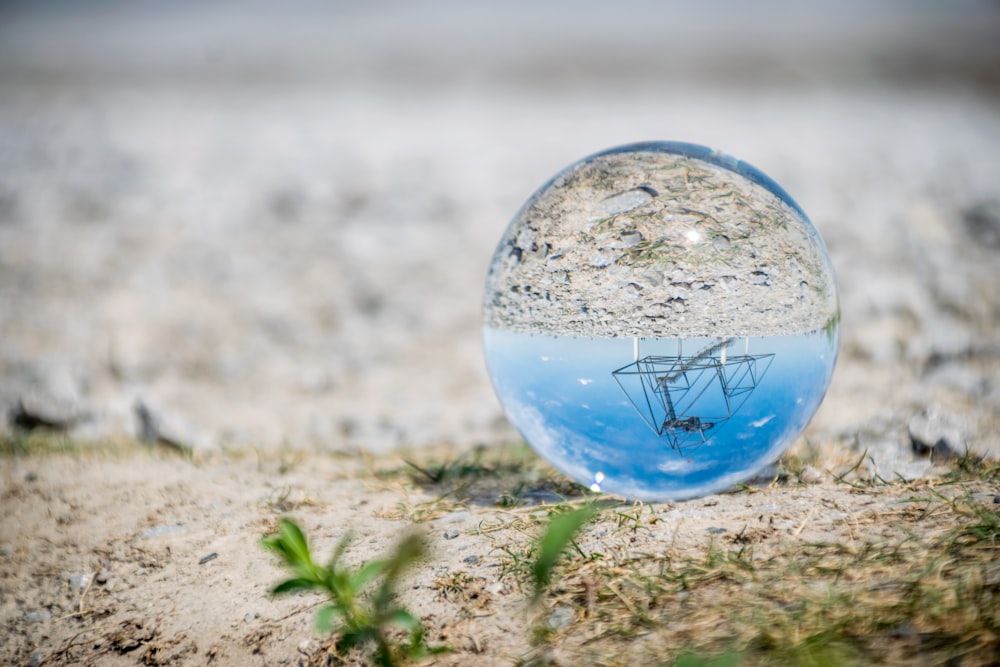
(660, 321)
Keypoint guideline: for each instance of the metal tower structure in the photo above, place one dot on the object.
(682, 397)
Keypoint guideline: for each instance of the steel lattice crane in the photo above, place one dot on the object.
(682, 397)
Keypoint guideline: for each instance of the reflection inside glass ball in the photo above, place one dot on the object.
(660, 321)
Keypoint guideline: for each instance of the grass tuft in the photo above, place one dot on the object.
(366, 623)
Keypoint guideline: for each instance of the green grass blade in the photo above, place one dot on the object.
(367, 573)
(292, 585)
(340, 549)
(290, 543)
(409, 551)
(326, 616)
(403, 619)
(557, 537)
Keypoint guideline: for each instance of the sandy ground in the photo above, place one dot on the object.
(262, 231)
(133, 558)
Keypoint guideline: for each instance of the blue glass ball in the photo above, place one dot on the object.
(660, 321)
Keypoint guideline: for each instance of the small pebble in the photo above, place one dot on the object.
(935, 434)
(982, 222)
(996, 499)
(103, 577)
(210, 557)
(809, 475)
(497, 588)
(160, 531)
(561, 618)
(471, 560)
(714, 530)
(450, 534)
(79, 581)
(37, 616)
(36, 659)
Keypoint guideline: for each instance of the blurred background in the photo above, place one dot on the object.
(267, 224)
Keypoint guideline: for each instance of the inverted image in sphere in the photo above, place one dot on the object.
(660, 321)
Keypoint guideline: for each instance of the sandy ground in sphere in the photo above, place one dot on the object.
(653, 243)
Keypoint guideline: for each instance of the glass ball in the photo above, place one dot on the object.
(660, 321)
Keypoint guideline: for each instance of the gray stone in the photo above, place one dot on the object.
(560, 618)
(79, 581)
(154, 425)
(892, 461)
(810, 475)
(982, 222)
(46, 396)
(37, 616)
(44, 413)
(935, 434)
(162, 530)
(887, 455)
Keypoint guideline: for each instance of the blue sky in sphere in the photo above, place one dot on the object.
(561, 394)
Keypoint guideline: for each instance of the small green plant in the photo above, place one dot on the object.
(362, 621)
(559, 535)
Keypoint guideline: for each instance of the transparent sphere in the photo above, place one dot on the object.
(660, 321)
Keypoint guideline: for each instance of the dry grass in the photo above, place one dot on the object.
(914, 581)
